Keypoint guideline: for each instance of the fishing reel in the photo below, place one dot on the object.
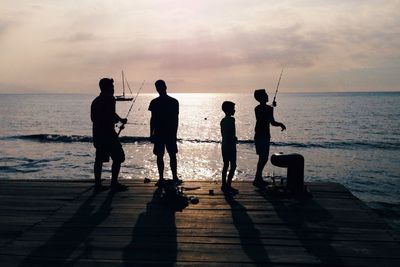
(120, 126)
(274, 103)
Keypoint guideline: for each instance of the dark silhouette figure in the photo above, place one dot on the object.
(105, 139)
(250, 236)
(264, 117)
(229, 140)
(154, 235)
(163, 129)
(59, 248)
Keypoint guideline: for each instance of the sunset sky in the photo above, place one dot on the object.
(200, 46)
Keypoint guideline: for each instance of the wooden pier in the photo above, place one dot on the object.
(50, 223)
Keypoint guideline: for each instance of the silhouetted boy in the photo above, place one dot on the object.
(229, 140)
(163, 129)
(105, 139)
(264, 117)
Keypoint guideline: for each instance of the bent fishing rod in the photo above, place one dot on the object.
(277, 86)
(130, 108)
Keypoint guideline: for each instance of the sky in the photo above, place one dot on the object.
(231, 46)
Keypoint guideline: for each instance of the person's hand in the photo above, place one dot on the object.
(283, 127)
(124, 121)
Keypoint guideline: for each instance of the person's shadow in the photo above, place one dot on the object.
(154, 236)
(309, 221)
(250, 237)
(70, 237)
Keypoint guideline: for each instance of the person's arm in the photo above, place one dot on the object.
(228, 130)
(119, 119)
(276, 123)
(234, 131)
(152, 128)
(176, 122)
(115, 115)
(152, 122)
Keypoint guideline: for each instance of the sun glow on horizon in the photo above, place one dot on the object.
(200, 46)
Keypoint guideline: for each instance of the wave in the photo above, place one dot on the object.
(24, 165)
(50, 138)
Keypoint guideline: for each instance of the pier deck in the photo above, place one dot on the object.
(49, 223)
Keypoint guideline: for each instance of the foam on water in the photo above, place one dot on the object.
(350, 138)
(353, 145)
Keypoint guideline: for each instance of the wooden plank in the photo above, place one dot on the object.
(55, 223)
(25, 204)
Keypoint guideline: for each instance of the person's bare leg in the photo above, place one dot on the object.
(98, 166)
(115, 168)
(262, 161)
(160, 166)
(224, 171)
(173, 164)
(231, 173)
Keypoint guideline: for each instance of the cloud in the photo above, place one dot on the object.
(77, 37)
(3, 26)
(228, 43)
(207, 51)
(7, 25)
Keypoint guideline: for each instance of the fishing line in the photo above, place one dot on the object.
(130, 108)
(272, 175)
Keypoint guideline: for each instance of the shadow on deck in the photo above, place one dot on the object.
(65, 223)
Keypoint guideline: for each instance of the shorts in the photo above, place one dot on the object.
(160, 145)
(262, 146)
(229, 154)
(113, 150)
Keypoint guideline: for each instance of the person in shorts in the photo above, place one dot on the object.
(264, 118)
(105, 139)
(228, 147)
(163, 130)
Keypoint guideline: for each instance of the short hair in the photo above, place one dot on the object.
(259, 94)
(228, 106)
(160, 84)
(105, 84)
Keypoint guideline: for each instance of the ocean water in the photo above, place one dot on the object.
(350, 138)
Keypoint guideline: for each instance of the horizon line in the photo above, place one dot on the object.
(238, 93)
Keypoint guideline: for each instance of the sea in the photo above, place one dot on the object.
(348, 138)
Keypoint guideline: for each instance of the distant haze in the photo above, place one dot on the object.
(200, 46)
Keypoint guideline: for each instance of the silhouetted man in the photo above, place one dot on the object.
(264, 118)
(105, 139)
(163, 129)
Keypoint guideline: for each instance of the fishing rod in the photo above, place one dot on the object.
(276, 91)
(133, 102)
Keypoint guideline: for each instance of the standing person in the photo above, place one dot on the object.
(229, 140)
(163, 129)
(264, 117)
(105, 139)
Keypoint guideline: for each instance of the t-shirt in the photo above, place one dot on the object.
(164, 112)
(103, 116)
(264, 116)
(228, 132)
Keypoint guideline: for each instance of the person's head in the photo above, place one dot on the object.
(261, 96)
(161, 87)
(229, 108)
(107, 86)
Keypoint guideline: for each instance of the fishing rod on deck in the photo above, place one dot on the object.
(277, 87)
(122, 126)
